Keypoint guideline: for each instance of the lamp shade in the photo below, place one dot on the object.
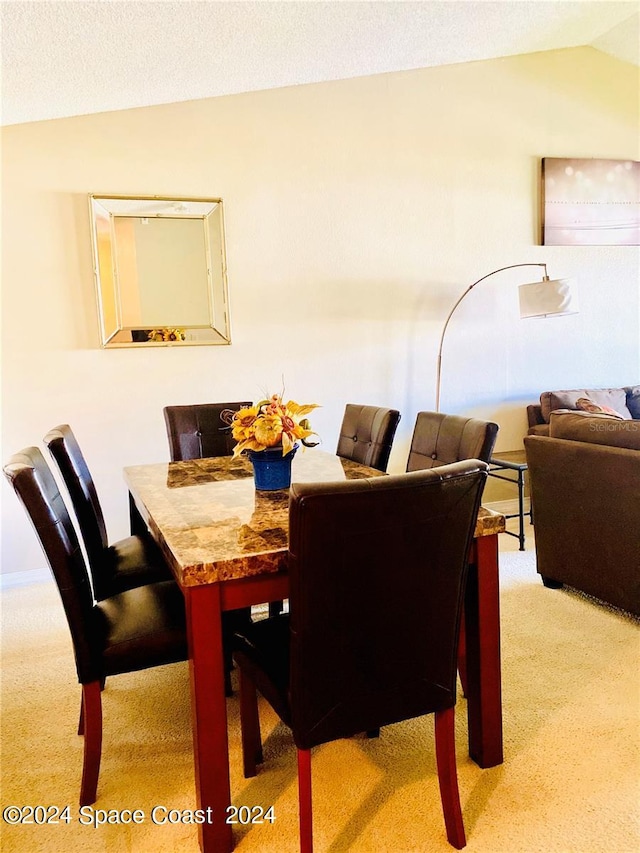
(548, 298)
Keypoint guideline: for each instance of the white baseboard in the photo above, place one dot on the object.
(8, 580)
(506, 507)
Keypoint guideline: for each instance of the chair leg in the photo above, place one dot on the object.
(249, 726)
(81, 718)
(304, 800)
(275, 607)
(92, 726)
(228, 687)
(448, 777)
(103, 681)
(462, 655)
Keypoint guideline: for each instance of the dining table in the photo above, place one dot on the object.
(227, 545)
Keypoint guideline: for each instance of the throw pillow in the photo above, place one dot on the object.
(614, 398)
(585, 404)
(633, 400)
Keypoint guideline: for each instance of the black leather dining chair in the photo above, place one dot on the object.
(333, 667)
(366, 434)
(121, 565)
(440, 439)
(198, 431)
(125, 632)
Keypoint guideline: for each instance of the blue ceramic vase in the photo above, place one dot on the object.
(271, 470)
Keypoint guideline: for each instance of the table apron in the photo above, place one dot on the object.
(254, 590)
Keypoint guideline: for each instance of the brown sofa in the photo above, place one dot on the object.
(625, 401)
(585, 489)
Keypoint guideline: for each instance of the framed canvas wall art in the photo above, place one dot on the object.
(590, 202)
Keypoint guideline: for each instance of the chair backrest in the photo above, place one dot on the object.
(440, 439)
(35, 486)
(65, 450)
(366, 435)
(377, 573)
(195, 432)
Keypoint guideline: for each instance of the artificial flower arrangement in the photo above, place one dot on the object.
(159, 335)
(272, 423)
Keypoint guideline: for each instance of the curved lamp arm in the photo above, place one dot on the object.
(446, 322)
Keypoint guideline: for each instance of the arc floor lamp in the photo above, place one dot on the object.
(546, 298)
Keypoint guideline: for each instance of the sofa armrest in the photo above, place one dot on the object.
(534, 415)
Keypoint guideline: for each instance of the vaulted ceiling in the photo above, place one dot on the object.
(73, 58)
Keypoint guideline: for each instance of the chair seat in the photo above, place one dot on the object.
(131, 562)
(142, 627)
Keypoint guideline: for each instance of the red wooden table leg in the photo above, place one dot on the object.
(482, 630)
(209, 716)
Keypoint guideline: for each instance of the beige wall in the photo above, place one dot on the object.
(356, 213)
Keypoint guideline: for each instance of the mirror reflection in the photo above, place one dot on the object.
(160, 271)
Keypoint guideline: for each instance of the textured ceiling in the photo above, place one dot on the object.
(72, 58)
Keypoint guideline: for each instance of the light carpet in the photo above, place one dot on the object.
(570, 782)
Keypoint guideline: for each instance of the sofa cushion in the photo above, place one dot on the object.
(543, 429)
(633, 400)
(614, 398)
(586, 404)
(595, 429)
(539, 429)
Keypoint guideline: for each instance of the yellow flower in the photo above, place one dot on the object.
(159, 335)
(242, 425)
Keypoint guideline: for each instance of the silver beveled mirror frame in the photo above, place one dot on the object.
(114, 332)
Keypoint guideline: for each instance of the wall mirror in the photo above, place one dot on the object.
(160, 271)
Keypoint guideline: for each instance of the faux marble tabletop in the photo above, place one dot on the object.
(213, 525)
